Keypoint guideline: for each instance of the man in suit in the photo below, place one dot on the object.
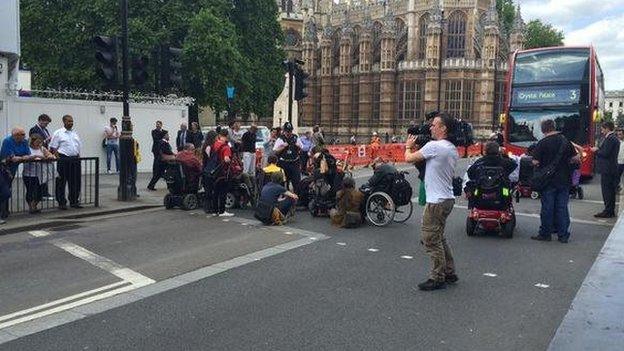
(606, 165)
(41, 128)
(157, 135)
(181, 138)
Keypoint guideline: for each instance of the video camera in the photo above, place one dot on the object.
(460, 133)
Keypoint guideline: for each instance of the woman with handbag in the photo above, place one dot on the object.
(348, 213)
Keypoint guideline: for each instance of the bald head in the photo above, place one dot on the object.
(18, 134)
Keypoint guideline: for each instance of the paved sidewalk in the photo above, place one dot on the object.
(594, 321)
(108, 205)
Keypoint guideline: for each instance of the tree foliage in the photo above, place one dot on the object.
(222, 44)
(539, 35)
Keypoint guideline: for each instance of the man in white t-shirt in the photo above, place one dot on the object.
(111, 134)
(441, 157)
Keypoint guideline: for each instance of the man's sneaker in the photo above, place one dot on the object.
(2, 221)
(451, 278)
(431, 284)
(226, 214)
(108, 171)
(604, 215)
(563, 240)
(541, 238)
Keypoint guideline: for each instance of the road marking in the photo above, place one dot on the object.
(226, 220)
(104, 263)
(543, 286)
(131, 280)
(490, 274)
(288, 233)
(373, 250)
(407, 257)
(245, 224)
(58, 302)
(341, 244)
(572, 220)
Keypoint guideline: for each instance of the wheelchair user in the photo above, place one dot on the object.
(276, 204)
(486, 166)
(383, 174)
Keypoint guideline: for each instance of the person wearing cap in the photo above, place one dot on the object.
(288, 147)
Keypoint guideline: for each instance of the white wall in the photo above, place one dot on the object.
(89, 122)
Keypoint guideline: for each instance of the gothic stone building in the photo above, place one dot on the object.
(375, 65)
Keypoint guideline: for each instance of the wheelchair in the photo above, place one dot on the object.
(390, 201)
(182, 192)
(490, 204)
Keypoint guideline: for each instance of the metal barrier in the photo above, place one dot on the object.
(42, 180)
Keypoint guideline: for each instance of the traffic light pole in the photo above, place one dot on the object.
(127, 173)
(291, 66)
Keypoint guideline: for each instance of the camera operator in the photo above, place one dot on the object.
(440, 157)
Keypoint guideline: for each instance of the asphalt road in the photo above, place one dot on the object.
(356, 290)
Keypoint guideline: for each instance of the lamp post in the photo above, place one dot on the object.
(127, 174)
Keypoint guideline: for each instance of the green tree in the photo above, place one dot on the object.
(540, 34)
(506, 13)
(260, 40)
(212, 58)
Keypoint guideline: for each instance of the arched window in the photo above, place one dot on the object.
(292, 37)
(422, 36)
(355, 46)
(376, 36)
(401, 41)
(336, 48)
(456, 46)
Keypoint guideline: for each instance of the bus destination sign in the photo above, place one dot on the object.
(536, 96)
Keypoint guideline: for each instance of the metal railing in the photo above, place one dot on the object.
(42, 181)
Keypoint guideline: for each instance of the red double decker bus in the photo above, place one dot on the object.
(564, 84)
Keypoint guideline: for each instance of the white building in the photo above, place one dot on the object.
(614, 102)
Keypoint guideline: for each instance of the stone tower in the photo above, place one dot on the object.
(516, 38)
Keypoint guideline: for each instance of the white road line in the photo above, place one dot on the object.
(60, 301)
(490, 274)
(543, 286)
(341, 244)
(39, 233)
(407, 257)
(373, 250)
(68, 306)
(535, 215)
(104, 263)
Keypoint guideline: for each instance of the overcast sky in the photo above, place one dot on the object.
(598, 22)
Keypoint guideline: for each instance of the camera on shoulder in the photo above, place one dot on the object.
(460, 132)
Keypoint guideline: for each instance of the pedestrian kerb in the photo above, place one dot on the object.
(594, 320)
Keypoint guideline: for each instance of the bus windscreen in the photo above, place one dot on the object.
(525, 125)
(551, 66)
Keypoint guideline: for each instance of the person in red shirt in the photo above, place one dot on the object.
(221, 185)
(192, 165)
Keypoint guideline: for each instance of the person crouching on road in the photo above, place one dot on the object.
(441, 158)
(348, 211)
(276, 203)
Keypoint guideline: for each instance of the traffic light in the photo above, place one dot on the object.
(139, 70)
(106, 55)
(170, 67)
(301, 78)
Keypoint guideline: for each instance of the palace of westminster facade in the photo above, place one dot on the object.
(374, 65)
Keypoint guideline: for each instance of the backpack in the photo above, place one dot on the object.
(401, 191)
(212, 166)
(543, 175)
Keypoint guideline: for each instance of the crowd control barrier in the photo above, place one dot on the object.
(82, 173)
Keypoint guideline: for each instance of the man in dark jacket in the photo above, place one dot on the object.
(157, 136)
(606, 165)
(492, 158)
(554, 146)
(41, 128)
